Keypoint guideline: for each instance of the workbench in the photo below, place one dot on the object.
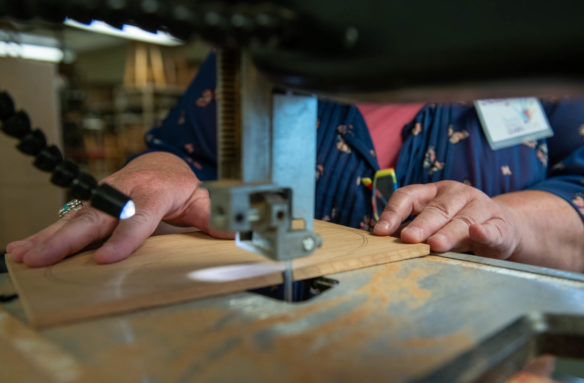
(395, 322)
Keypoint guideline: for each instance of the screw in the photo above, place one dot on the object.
(308, 244)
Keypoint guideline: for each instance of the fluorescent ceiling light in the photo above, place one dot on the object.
(31, 52)
(127, 31)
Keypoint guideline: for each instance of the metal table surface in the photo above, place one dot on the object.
(394, 322)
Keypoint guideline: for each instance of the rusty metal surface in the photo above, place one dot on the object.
(395, 322)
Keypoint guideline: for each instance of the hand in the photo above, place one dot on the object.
(452, 216)
(162, 187)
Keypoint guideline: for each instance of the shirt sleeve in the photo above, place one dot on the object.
(189, 130)
(565, 176)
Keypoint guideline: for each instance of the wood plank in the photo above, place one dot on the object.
(178, 267)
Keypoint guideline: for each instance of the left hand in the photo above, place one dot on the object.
(452, 216)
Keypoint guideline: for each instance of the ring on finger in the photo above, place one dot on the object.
(74, 204)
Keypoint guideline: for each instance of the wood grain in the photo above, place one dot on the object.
(178, 267)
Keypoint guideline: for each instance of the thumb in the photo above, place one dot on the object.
(491, 239)
(197, 213)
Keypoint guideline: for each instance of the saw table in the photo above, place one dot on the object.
(437, 318)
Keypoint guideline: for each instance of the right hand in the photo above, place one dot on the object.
(162, 186)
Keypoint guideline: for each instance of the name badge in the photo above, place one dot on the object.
(511, 121)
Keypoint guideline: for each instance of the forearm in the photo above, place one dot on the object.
(551, 233)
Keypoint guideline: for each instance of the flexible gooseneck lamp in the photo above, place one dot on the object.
(65, 173)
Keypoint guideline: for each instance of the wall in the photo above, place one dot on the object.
(28, 201)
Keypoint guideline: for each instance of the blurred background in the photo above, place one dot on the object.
(93, 94)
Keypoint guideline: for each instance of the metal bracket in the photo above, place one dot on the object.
(267, 156)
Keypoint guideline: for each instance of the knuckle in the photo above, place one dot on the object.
(450, 185)
(458, 187)
(498, 224)
(466, 219)
(131, 180)
(439, 208)
(403, 192)
(447, 183)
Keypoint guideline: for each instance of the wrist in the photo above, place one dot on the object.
(549, 231)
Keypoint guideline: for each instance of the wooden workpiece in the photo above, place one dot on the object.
(180, 267)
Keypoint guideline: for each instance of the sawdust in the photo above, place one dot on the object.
(321, 350)
(337, 339)
(390, 286)
(341, 351)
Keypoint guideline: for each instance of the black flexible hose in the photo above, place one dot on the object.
(65, 173)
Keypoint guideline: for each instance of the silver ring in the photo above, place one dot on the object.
(74, 204)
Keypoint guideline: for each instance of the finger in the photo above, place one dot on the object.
(403, 202)
(86, 226)
(150, 210)
(17, 249)
(131, 233)
(454, 235)
(221, 234)
(197, 213)
(435, 215)
(492, 239)
(397, 232)
(486, 234)
(127, 237)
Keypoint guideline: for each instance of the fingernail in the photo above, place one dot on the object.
(382, 225)
(412, 232)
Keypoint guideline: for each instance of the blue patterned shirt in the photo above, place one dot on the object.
(443, 142)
